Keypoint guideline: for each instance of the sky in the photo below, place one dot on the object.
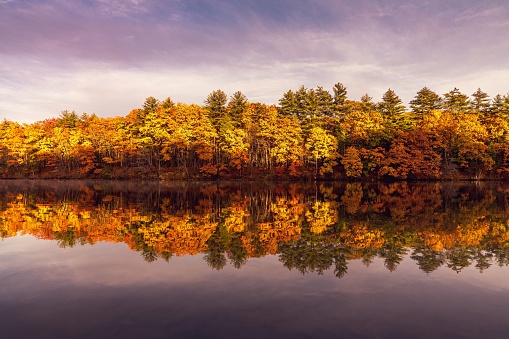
(107, 56)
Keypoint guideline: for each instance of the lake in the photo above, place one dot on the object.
(99, 259)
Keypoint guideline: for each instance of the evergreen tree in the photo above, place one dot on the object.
(456, 102)
(288, 104)
(167, 103)
(150, 105)
(301, 98)
(216, 105)
(500, 106)
(480, 102)
(391, 104)
(340, 105)
(237, 105)
(425, 101)
(310, 105)
(68, 119)
(367, 104)
(325, 102)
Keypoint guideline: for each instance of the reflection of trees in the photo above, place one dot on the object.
(427, 259)
(313, 228)
(459, 258)
(68, 238)
(307, 257)
(149, 254)
(367, 256)
(216, 247)
(393, 255)
(501, 256)
(215, 258)
(166, 256)
(483, 259)
(340, 266)
(237, 252)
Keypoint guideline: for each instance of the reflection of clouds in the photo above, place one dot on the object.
(112, 264)
(118, 295)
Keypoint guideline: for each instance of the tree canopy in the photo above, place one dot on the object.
(313, 133)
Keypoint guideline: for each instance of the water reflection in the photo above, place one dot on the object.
(312, 228)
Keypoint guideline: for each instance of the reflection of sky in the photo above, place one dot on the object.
(107, 56)
(107, 290)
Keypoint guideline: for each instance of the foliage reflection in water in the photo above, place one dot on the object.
(311, 227)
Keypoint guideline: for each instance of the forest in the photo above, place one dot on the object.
(312, 134)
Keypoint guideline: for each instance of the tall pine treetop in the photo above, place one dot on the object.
(391, 104)
(425, 101)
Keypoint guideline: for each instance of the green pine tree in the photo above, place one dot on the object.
(391, 104)
(456, 102)
(425, 101)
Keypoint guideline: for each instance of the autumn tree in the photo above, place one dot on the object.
(279, 141)
(411, 156)
(442, 130)
(473, 152)
(322, 147)
(363, 126)
(352, 163)
(235, 145)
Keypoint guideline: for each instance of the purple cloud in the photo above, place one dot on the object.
(63, 46)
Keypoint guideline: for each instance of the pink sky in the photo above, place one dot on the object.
(107, 56)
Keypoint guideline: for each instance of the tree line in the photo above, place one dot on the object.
(311, 134)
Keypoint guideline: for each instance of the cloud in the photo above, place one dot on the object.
(121, 7)
(264, 47)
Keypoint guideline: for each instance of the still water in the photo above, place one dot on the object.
(87, 259)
